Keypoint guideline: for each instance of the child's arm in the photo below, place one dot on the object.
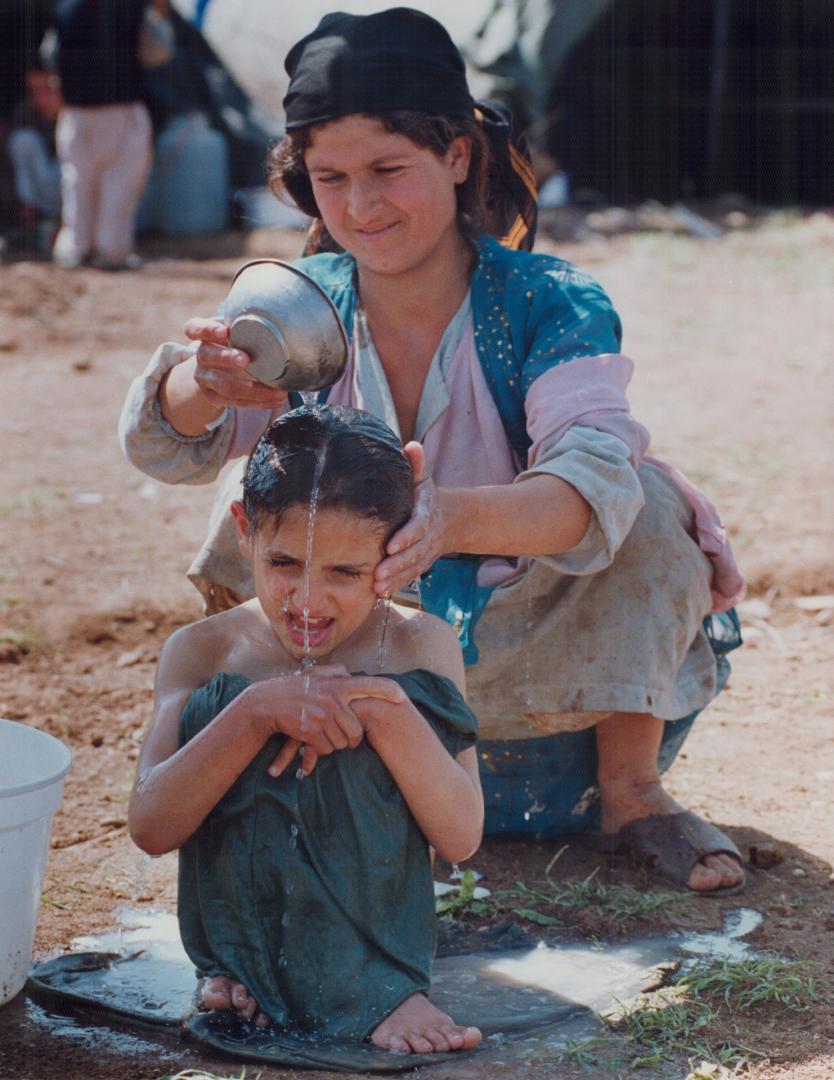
(443, 793)
(176, 788)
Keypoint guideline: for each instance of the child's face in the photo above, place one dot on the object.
(346, 549)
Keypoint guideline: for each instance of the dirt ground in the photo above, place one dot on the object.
(732, 338)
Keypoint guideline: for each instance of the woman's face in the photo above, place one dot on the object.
(390, 203)
(338, 593)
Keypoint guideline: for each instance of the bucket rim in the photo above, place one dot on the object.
(45, 781)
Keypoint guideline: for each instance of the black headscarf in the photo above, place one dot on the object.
(393, 60)
(398, 60)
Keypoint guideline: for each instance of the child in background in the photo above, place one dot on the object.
(306, 897)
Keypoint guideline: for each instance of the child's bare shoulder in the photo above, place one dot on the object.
(204, 647)
(421, 640)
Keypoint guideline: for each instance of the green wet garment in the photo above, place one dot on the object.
(316, 894)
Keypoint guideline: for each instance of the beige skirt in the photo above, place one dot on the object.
(557, 650)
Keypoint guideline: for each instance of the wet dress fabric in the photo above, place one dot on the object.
(317, 893)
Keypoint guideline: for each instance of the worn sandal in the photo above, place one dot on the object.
(670, 845)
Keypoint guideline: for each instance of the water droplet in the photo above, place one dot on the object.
(385, 603)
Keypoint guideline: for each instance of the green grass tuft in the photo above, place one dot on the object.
(760, 980)
(23, 640)
(620, 903)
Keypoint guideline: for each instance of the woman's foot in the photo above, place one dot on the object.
(418, 1027)
(630, 787)
(623, 805)
(220, 993)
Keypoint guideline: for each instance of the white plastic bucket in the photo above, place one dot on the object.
(32, 769)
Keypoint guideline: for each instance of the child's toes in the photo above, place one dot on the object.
(262, 1020)
(418, 1043)
(439, 1040)
(216, 992)
(454, 1037)
(243, 1003)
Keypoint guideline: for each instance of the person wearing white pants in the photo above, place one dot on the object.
(106, 156)
(103, 138)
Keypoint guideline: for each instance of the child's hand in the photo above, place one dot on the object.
(333, 679)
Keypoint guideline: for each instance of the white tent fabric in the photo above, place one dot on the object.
(252, 37)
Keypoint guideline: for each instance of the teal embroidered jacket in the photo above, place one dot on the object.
(530, 312)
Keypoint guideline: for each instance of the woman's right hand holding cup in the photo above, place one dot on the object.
(220, 371)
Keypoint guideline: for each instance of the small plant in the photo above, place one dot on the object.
(590, 1053)
(28, 501)
(621, 903)
(760, 980)
(462, 901)
(669, 1023)
(684, 1019)
(22, 640)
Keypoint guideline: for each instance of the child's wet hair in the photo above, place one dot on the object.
(353, 461)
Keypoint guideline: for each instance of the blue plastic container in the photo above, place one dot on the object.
(189, 189)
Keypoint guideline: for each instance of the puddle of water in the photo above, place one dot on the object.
(530, 1002)
(599, 975)
(528, 999)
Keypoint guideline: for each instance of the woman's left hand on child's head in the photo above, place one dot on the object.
(414, 547)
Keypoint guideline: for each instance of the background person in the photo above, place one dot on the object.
(569, 563)
(104, 136)
(31, 148)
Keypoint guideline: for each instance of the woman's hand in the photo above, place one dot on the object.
(319, 721)
(220, 372)
(423, 538)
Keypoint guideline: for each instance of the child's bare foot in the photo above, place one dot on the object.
(220, 992)
(418, 1027)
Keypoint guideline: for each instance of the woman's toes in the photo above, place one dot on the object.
(715, 872)
(731, 870)
(216, 992)
(703, 878)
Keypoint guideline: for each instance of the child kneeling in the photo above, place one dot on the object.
(305, 893)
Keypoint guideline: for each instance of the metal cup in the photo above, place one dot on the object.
(287, 325)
